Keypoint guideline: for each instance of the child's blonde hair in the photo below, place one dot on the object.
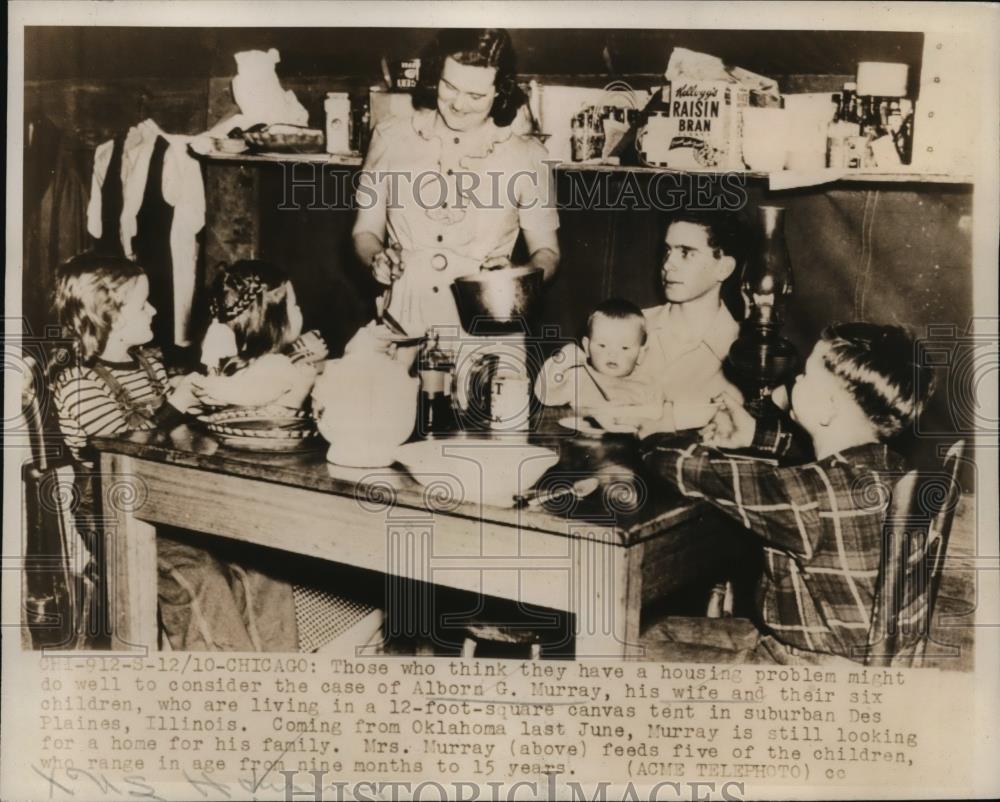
(251, 297)
(618, 309)
(90, 292)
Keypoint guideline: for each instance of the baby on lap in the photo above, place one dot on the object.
(600, 374)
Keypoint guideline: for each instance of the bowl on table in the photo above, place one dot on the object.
(475, 470)
(270, 428)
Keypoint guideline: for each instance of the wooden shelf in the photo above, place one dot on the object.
(353, 160)
(812, 178)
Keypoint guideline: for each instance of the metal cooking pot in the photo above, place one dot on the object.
(497, 301)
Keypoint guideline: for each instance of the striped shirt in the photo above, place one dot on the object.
(87, 405)
(821, 524)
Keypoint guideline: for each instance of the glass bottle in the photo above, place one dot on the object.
(849, 102)
(435, 414)
(904, 139)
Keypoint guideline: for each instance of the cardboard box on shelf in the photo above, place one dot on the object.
(700, 129)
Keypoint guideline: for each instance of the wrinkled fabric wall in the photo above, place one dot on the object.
(878, 253)
(888, 255)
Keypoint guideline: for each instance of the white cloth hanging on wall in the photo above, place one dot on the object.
(183, 188)
(102, 158)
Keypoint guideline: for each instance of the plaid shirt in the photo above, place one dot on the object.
(821, 523)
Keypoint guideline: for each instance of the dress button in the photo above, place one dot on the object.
(450, 171)
(457, 140)
(435, 288)
(440, 237)
(439, 261)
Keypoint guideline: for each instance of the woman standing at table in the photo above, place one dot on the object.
(446, 191)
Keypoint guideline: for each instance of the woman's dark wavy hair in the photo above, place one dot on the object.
(263, 327)
(474, 47)
(727, 233)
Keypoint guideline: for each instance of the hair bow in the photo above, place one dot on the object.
(245, 290)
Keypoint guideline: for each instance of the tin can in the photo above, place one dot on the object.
(510, 404)
(338, 122)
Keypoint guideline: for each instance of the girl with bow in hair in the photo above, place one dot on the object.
(254, 348)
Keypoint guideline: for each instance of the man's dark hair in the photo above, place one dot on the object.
(726, 231)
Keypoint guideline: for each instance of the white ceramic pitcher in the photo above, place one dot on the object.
(365, 406)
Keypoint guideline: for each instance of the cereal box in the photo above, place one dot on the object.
(704, 125)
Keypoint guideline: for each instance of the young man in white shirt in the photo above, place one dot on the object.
(690, 335)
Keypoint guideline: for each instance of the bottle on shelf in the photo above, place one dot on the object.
(904, 136)
(844, 146)
(337, 107)
(849, 101)
(878, 118)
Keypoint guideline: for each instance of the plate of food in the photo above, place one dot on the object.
(283, 138)
(262, 428)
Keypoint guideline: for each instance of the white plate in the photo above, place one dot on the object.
(475, 470)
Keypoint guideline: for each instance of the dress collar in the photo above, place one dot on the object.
(477, 144)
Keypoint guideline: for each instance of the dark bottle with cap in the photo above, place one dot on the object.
(435, 414)
(849, 103)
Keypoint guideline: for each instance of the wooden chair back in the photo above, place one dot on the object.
(55, 592)
(915, 540)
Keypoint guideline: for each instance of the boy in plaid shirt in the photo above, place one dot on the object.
(821, 521)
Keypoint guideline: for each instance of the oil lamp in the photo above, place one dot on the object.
(761, 358)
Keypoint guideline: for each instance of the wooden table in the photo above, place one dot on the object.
(599, 558)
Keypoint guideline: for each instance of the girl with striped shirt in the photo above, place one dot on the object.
(115, 383)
